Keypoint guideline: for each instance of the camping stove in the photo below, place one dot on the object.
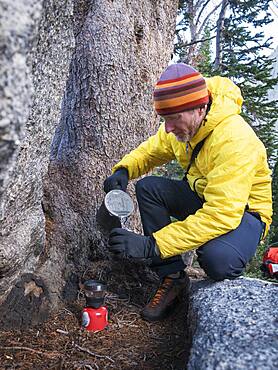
(95, 314)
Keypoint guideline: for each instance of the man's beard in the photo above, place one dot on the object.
(182, 139)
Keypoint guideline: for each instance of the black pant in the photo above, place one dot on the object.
(160, 199)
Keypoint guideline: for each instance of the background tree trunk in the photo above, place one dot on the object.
(48, 232)
(219, 31)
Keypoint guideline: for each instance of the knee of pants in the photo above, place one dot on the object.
(145, 185)
(221, 264)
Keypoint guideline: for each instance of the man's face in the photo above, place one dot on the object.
(184, 125)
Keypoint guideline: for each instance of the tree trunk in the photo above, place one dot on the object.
(219, 31)
(198, 15)
(49, 235)
(36, 46)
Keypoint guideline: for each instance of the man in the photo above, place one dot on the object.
(223, 204)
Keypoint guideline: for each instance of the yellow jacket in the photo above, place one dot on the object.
(229, 173)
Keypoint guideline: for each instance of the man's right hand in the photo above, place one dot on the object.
(118, 180)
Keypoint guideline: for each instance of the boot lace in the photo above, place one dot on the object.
(161, 292)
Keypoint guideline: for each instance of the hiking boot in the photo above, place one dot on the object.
(165, 299)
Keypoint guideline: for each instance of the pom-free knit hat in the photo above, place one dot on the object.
(180, 88)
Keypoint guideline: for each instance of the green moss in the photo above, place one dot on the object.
(253, 267)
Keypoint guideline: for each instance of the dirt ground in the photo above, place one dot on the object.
(127, 343)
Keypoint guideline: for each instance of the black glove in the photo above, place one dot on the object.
(118, 180)
(125, 244)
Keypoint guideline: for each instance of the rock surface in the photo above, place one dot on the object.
(235, 325)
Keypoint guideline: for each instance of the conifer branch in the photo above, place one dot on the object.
(197, 41)
(201, 11)
(207, 18)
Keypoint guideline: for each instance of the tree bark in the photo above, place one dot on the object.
(36, 45)
(219, 30)
(48, 233)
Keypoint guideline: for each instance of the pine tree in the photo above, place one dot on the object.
(192, 28)
(241, 54)
(203, 58)
(244, 60)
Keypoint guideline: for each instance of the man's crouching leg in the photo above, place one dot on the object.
(158, 199)
(226, 257)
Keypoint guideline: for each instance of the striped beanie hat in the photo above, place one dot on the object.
(180, 88)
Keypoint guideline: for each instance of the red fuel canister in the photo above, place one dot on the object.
(94, 319)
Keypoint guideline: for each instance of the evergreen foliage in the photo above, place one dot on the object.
(244, 61)
(203, 60)
(192, 28)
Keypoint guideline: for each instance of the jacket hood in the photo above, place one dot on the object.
(226, 100)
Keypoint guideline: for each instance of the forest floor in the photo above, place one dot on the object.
(127, 343)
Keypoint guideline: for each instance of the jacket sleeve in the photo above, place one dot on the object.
(229, 180)
(153, 152)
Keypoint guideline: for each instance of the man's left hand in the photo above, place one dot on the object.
(126, 244)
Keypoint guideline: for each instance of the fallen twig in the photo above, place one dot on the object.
(122, 323)
(93, 353)
(62, 331)
(22, 348)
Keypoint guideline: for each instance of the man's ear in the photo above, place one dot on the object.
(202, 110)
